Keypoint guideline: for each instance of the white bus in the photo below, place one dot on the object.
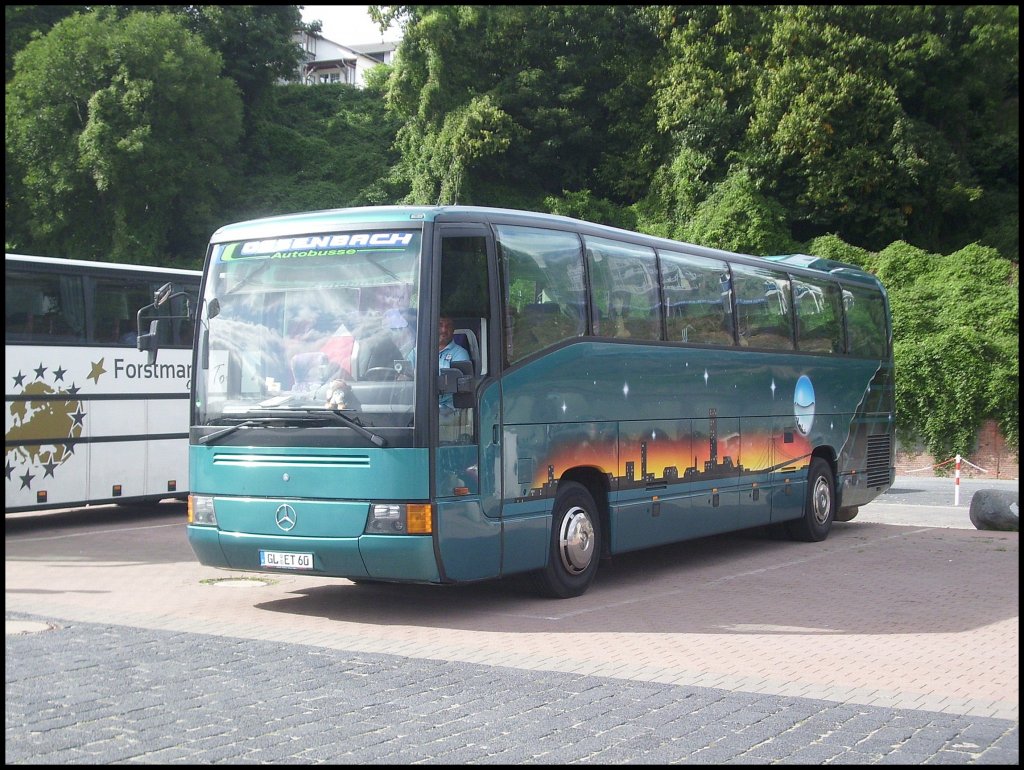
(88, 420)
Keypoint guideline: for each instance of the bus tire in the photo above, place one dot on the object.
(820, 506)
(574, 547)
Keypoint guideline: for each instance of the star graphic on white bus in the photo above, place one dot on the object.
(97, 370)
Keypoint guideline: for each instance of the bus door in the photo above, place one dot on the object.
(467, 468)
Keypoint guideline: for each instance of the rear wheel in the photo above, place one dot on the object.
(575, 544)
(820, 506)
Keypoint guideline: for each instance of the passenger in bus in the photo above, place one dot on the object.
(311, 373)
(402, 325)
(341, 348)
(359, 348)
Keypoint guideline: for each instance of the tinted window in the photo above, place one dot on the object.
(116, 301)
(762, 308)
(545, 293)
(624, 280)
(819, 326)
(44, 306)
(865, 322)
(698, 305)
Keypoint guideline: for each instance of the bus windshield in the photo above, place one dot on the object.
(308, 324)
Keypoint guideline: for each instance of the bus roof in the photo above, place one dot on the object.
(84, 263)
(329, 220)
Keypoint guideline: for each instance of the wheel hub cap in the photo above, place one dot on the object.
(576, 541)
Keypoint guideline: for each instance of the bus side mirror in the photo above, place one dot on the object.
(448, 381)
(459, 382)
(161, 295)
(149, 343)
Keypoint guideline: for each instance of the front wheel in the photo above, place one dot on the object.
(575, 545)
(820, 506)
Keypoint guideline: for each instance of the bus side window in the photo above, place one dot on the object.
(818, 317)
(115, 303)
(537, 325)
(865, 323)
(184, 330)
(544, 288)
(465, 300)
(18, 324)
(45, 307)
(763, 313)
(698, 297)
(624, 280)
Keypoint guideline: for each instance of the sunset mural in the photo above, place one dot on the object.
(676, 451)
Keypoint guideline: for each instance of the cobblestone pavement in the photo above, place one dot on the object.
(129, 695)
(887, 643)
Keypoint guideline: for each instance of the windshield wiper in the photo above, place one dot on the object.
(225, 431)
(263, 416)
(354, 424)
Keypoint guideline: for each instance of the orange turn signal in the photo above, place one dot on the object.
(418, 519)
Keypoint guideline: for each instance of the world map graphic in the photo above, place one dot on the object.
(47, 419)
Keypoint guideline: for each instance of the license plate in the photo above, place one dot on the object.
(283, 560)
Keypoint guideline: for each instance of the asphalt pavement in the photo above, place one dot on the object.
(120, 649)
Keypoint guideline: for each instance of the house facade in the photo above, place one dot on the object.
(325, 61)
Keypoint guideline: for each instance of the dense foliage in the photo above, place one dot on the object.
(956, 326)
(116, 137)
(882, 135)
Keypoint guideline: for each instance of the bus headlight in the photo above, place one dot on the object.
(200, 510)
(399, 519)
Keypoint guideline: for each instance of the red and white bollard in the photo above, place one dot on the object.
(956, 492)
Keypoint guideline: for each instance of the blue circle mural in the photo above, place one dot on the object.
(803, 404)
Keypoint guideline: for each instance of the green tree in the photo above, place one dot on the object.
(833, 247)
(582, 204)
(316, 147)
(739, 218)
(956, 321)
(873, 122)
(23, 22)
(255, 42)
(509, 104)
(120, 128)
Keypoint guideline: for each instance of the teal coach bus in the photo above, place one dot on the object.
(622, 391)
